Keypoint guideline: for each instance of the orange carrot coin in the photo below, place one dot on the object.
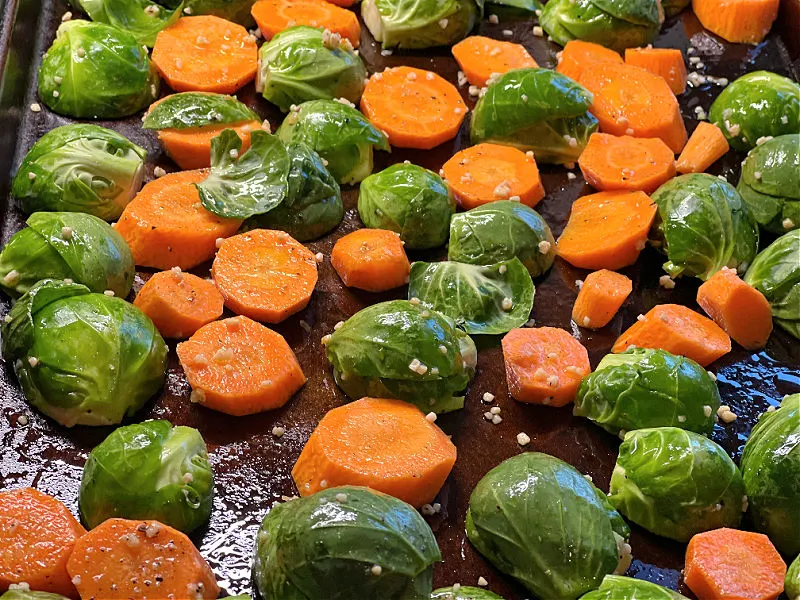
(371, 259)
(479, 57)
(273, 16)
(705, 147)
(578, 55)
(667, 63)
(601, 296)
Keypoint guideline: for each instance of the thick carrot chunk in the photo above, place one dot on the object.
(371, 259)
(667, 63)
(600, 297)
(738, 21)
(480, 57)
(705, 147)
(578, 55)
(273, 16)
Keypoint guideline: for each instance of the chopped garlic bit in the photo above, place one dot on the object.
(278, 431)
(431, 417)
(667, 282)
(523, 439)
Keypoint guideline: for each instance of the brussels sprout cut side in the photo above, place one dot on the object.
(140, 18)
(676, 483)
(411, 24)
(345, 543)
(617, 587)
(148, 471)
(82, 358)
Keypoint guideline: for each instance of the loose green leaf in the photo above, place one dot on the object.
(141, 18)
(413, 24)
(197, 109)
(618, 587)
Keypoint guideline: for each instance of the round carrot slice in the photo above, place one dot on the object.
(166, 226)
(386, 445)
(37, 535)
(191, 148)
(489, 172)
(205, 54)
(273, 16)
(480, 57)
(240, 367)
(264, 274)
(416, 108)
(371, 259)
(578, 55)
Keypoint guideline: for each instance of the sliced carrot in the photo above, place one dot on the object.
(578, 55)
(631, 101)
(626, 163)
(273, 16)
(414, 107)
(705, 147)
(667, 63)
(480, 57)
(600, 297)
(607, 230)
(386, 445)
(740, 309)
(179, 303)
(738, 21)
(240, 367)
(371, 259)
(489, 172)
(544, 365)
(265, 275)
(166, 226)
(37, 535)
(191, 148)
(205, 54)
(121, 559)
(679, 330)
(730, 564)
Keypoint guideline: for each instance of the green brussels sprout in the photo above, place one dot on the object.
(67, 245)
(150, 470)
(313, 203)
(674, 7)
(141, 18)
(96, 71)
(643, 388)
(770, 183)
(757, 105)
(703, 225)
(237, 11)
(618, 587)
(82, 358)
(536, 518)
(676, 483)
(535, 109)
(463, 592)
(401, 350)
(615, 24)
(775, 272)
(771, 473)
(500, 231)
(197, 109)
(480, 299)
(792, 582)
(345, 543)
(338, 133)
(80, 168)
(409, 200)
(301, 63)
(411, 24)
(19, 593)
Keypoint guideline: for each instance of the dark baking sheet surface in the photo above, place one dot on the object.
(252, 467)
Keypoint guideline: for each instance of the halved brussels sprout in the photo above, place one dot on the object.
(80, 168)
(771, 472)
(464, 592)
(614, 24)
(197, 109)
(770, 183)
(82, 358)
(413, 24)
(775, 272)
(141, 18)
(618, 587)
(313, 203)
(338, 133)
(643, 388)
(66, 245)
(345, 543)
(676, 483)
(792, 582)
(535, 109)
(299, 64)
(150, 470)
(539, 520)
(409, 200)
(17, 593)
(96, 71)
(500, 231)
(237, 11)
(401, 350)
(757, 105)
(480, 299)
(703, 225)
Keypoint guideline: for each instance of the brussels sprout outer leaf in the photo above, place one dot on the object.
(771, 472)
(618, 587)
(18, 594)
(792, 585)
(319, 546)
(464, 592)
(410, 24)
(482, 299)
(499, 231)
(197, 109)
(676, 483)
(254, 183)
(141, 18)
(26, 259)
